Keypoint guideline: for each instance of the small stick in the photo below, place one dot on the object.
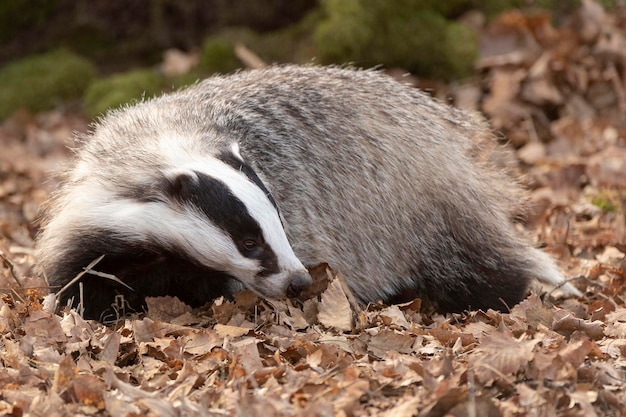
(88, 270)
(9, 265)
(248, 58)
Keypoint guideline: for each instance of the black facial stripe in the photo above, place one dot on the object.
(147, 267)
(268, 260)
(230, 159)
(228, 212)
(218, 203)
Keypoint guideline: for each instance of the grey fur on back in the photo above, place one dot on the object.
(399, 192)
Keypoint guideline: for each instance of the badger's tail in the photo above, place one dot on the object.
(548, 273)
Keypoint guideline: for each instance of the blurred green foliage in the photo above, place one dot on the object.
(17, 14)
(421, 36)
(610, 200)
(218, 56)
(292, 44)
(411, 34)
(117, 90)
(41, 81)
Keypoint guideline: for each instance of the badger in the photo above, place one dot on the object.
(242, 181)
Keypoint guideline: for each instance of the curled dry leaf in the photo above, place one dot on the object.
(569, 324)
(166, 308)
(88, 390)
(230, 331)
(386, 341)
(44, 327)
(334, 308)
(500, 356)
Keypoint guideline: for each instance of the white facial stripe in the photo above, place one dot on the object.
(261, 209)
(188, 230)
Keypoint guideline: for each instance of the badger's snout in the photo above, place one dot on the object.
(299, 281)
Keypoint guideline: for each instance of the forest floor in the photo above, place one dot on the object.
(559, 97)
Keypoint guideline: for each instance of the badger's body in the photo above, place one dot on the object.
(397, 191)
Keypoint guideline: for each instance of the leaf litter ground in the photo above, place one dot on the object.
(555, 91)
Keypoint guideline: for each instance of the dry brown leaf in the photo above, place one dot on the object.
(44, 327)
(528, 397)
(395, 316)
(88, 390)
(450, 337)
(533, 310)
(64, 375)
(575, 353)
(230, 331)
(322, 276)
(147, 330)
(247, 354)
(111, 346)
(295, 318)
(584, 400)
(500, 356)
(616, 323)
(200, 343)
(607, 168)
(166, 308)
(389, 340)
(407, 407)
(447, 398)
(334, 308)
(478, 329)
(568, 324)
(480, 406)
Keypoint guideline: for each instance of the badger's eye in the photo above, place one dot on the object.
(249, 245)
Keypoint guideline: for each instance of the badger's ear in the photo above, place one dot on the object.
(231, 156)
(234, 149)
(180, 184)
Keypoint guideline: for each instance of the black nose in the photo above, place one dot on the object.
(300, 281)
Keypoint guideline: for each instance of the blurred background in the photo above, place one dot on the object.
(108, 53)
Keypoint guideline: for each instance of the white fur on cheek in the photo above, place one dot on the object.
(189, 231)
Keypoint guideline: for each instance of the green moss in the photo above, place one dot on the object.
(179, 81)
(291, 44)
(40, 82)
(604, 204)
(218, 56)
(403, 33)
(461, 49)
(117, 90)
(346, 32)
(610, 200)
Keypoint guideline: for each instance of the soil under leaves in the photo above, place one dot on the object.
(557, 94)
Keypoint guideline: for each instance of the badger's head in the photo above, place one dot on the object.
(172, 224)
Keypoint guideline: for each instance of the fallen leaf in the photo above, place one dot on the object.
(334, 308)
(500, 356)
(230, 331)
(388, 340)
